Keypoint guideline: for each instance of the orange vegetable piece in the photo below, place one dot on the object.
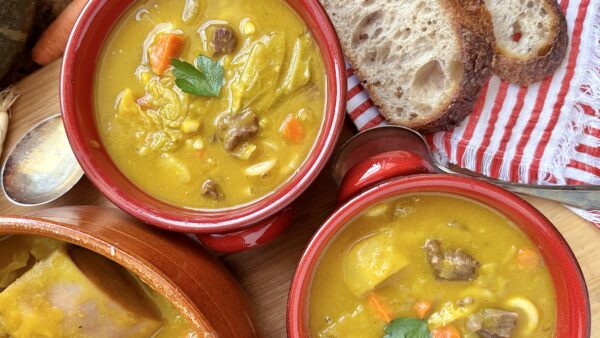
(527, 259)
(292, 129)
(445, 332)
(421, 308)
(52, 43)
(382, 309)
(163, 50)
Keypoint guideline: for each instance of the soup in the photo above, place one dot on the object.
(52, 289)
(431, 265)
(209, 104)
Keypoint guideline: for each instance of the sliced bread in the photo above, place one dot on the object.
(423, 62)
(531, 38)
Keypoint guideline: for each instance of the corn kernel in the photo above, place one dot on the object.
(304, 115)
(249, 28)
(190, 126)
(263, 123)
(198, 144)
(145, 77)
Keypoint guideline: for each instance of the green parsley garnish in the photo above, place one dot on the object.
(406, 328)
(205, 79)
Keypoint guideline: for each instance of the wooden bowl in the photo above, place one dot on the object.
(172, 264)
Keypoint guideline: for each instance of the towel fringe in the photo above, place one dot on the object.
(578, 109)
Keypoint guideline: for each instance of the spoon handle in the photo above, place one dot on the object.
(585, 197)
(582, 197)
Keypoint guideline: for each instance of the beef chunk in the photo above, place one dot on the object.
(223, 39)
(236, 128)
(452, 264)
(492, 323)
(211, 189)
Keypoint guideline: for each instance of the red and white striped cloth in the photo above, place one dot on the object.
(547, 133)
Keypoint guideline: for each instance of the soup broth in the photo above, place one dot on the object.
(199, 150)
(431, 264)
(52, 289)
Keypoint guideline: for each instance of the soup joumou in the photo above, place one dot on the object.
(209, 104)
(431, 265)
(52, 289)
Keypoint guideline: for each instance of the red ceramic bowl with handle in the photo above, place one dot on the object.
(227, 230)
(390, 173)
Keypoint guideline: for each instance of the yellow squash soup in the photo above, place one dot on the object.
(430, 265)
(209, 104)
(52, 289)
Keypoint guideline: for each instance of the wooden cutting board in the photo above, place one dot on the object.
(265, 272)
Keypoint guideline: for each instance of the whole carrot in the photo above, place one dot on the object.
(53, 41)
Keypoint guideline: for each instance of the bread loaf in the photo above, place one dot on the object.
(423, 62)
(531, 38)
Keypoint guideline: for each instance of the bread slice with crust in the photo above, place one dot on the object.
(531, 38)
(423, 62)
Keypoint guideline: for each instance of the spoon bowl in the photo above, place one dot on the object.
(41, 167)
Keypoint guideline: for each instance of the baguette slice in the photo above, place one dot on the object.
(423, 62)
(531, 38)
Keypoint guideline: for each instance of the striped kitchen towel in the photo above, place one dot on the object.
(547, 133)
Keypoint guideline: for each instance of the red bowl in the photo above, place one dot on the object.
(225, 230)
(572, 303)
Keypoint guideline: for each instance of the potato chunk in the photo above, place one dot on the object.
(370, 262)
(77, 293)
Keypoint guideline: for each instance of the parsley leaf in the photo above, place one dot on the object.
(406, 328)
(206, 79)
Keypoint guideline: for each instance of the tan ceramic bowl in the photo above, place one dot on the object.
(172, 264)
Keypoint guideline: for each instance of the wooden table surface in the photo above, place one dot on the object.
(265, 272)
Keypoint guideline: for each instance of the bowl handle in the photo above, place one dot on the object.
(241, 240)
(381, 167)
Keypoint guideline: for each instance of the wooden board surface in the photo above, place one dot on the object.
(265, 273)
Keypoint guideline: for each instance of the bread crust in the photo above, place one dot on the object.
(525, 71)
(473, 24)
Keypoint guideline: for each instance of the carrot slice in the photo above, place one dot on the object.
(292, 129)
(163, 50)
(382, 310)
(421, 308)
(527, 259)
(445, 332)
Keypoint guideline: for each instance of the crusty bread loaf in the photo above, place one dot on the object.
(423, 62)
(531, 38)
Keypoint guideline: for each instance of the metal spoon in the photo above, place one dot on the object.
(388, 138)
(41, 167)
